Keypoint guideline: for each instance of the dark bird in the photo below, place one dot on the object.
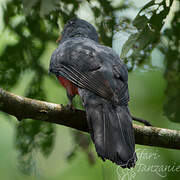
(96, 73)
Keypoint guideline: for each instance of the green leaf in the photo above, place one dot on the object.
(146, 32)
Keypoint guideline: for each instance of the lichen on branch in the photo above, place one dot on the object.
(23, 108)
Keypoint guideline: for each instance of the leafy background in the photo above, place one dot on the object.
(135, 30)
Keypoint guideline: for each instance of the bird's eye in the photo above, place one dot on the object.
(71, 22)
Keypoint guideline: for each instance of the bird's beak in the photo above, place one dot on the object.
(59, 39)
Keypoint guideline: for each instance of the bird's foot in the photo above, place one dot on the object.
(68, 107)
(145, 122)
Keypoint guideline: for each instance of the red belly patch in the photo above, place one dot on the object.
(70, 87)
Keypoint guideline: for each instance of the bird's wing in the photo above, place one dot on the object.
(82, 65)
(121, 77)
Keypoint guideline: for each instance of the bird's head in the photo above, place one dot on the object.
(78, 28)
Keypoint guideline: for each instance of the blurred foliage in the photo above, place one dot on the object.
(172, 72)
(83, 141)
(34, 24)
(33, 137)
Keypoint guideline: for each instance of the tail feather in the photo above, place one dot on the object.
(111, 131)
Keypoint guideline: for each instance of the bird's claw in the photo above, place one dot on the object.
(68, 107)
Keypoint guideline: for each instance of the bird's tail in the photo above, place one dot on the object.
(112, 132)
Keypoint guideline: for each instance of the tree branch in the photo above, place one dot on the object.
(23, 108)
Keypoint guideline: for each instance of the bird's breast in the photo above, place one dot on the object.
(70, 87)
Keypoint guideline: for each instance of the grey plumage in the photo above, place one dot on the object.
(101, 78)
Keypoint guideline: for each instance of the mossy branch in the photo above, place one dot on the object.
(23, 108)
